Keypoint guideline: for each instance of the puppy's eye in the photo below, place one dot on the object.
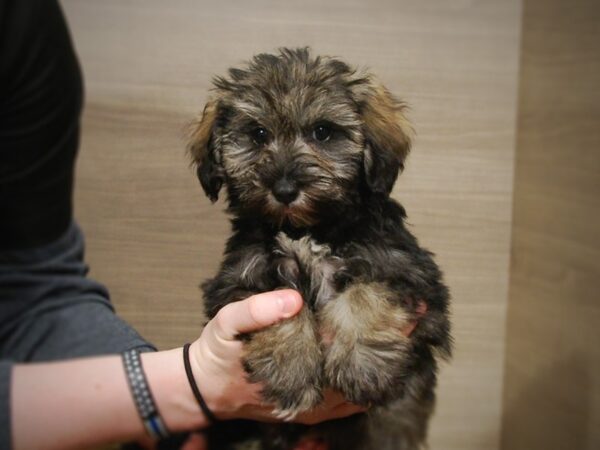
(322, 133)
(260, 136)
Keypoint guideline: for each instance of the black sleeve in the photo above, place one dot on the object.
(40, 103)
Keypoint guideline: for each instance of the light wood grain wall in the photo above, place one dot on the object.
(552, 390)
(152, 236)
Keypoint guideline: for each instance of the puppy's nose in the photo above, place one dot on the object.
(285, 190)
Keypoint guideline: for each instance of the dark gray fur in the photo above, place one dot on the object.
(342, 243)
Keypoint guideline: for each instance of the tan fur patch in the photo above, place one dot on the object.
(365, 351)
(201, 132)
(387, 126)
(364, 312)
(287, 359)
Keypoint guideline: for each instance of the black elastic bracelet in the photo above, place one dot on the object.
(190, 376)
(142, 397)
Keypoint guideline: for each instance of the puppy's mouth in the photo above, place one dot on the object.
(297, 213)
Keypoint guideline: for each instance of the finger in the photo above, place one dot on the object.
(195, 441)
(408, 329)
(311, 443)
(420, 312)
(146, 443)
(421, 308)
(345, 410)
(334, 406)
(320, 414)
(332, 399)
(257, 312)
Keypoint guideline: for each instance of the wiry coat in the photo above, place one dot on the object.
(308, 151)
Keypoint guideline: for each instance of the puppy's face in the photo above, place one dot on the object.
(296, 139)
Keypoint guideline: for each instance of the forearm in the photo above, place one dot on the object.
(86, 402)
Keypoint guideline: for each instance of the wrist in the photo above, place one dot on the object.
(194, 386)
(210, 391)
(217, 367)
(220, 384)
(172, 393)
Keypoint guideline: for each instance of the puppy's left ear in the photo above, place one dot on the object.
(202, 147)
(387, 135)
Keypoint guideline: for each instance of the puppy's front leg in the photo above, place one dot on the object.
(365, 352)
(287, 359)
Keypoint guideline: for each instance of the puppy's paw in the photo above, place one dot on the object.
(308, 267)
(369, 374)
(364, 349)
(304, 400)
(287, 360)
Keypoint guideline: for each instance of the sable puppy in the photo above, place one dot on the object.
(308, 150)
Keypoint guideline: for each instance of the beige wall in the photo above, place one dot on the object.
(152, 236)
(552, 390)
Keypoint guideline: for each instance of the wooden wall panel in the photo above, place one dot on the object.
(552, 388)
(152, 236)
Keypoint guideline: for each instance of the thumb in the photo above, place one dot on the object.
(256, 312)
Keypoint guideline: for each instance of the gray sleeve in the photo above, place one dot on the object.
(5, 373)
(70, 328)
(50, 310)
(67, 329)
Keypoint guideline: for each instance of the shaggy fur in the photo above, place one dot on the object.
(308, 150)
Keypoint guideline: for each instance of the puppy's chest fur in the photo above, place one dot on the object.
(376, 249)
(309, 267)
(361, 285)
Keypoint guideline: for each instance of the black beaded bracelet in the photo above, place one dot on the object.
(190, 376)
(142, 397)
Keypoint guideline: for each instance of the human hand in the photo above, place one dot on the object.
(216, 361)
(333, 406)
(225, 388)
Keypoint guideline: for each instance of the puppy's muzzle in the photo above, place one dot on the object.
(285, 190)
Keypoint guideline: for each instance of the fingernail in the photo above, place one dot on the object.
(287, 304)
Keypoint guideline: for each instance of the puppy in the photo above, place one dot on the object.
(308, 150)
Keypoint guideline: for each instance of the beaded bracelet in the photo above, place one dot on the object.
(142, 397)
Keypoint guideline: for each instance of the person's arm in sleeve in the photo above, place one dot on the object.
(85, 402)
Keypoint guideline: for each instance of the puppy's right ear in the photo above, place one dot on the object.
(204, 153)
